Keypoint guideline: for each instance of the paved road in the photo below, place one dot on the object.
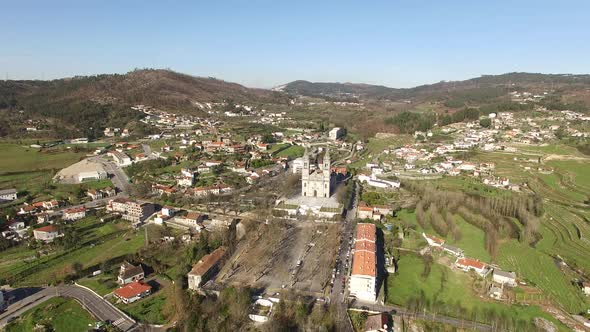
(119, 178)
(96, 305)
(338, 293)
(426, 316)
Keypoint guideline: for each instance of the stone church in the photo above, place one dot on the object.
(318, 182)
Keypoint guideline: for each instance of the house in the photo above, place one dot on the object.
(452, 250)
(504, 278)
(377, 323)
(46, 234)
(363, 277)
(133, 292)
(470, 264)
(192, 219)
(8, 195)
(205, 268)
(364, 212)
(130, 273)
(168, 211)
(433, 241)
(336, 133)
(74, 213)
(120, 158)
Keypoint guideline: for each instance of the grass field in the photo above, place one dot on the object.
(540, 270)
(293, 151)
(57, 314)
(148, 310)
(99, 242)
(452, 289)
(18, 158)
(102, 284)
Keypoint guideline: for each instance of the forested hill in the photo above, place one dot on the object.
(367, 91)
(84, 104)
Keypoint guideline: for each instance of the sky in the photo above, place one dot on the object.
(268, 43)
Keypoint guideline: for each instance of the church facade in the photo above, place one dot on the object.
(317, 182)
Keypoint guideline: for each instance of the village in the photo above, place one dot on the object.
(331, 208)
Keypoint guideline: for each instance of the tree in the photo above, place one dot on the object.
(77, 267)
(485, 122)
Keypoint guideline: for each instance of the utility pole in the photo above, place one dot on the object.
(147, 241)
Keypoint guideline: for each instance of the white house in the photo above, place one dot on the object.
(8, 195)
(504, 278)
(46, 234)
(470, 264)
(336, 133)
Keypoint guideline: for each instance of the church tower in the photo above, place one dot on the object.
(326, 161)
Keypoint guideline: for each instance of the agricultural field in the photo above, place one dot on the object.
(56, 314)
(22, 158)
(454, 292)
(98, 243)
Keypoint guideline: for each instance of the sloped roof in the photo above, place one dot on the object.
(207, 262)
(133, 289)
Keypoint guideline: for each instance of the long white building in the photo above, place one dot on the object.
(363, 277)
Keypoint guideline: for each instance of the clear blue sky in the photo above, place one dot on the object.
(266, 43)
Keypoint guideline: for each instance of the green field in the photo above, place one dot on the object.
(102, 284)
(147, 310)
(472, 240)
(99, 242)
(19, 158)
(56, 314)
(293, 151)
(451, 291)
(539, 269)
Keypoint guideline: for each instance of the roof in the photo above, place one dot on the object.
(470, 262)
(376, 322)
(7, 191)
(505, 274)
(75, 210)
(434, 239)
(363, 263)
(130, 270)
(133, 289)
(47, 229)
(364, 245)
(207, 262)
(193, 216)
(365, 232)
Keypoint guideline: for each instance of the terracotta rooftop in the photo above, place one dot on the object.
(207, 262)
(47, 229)
(364, 245)
(365, 232)
(133, 289)
(470, 262)
(363, 263)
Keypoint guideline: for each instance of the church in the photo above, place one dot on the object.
(317, 181)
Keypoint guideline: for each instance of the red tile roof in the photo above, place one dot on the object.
(365, 232)
(133, 289)
(47, 229)
(470, 262)
(207, 262)
(363, 263)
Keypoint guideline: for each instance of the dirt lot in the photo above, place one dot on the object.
(269, 257)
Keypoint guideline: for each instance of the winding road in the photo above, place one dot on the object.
(100, 308)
